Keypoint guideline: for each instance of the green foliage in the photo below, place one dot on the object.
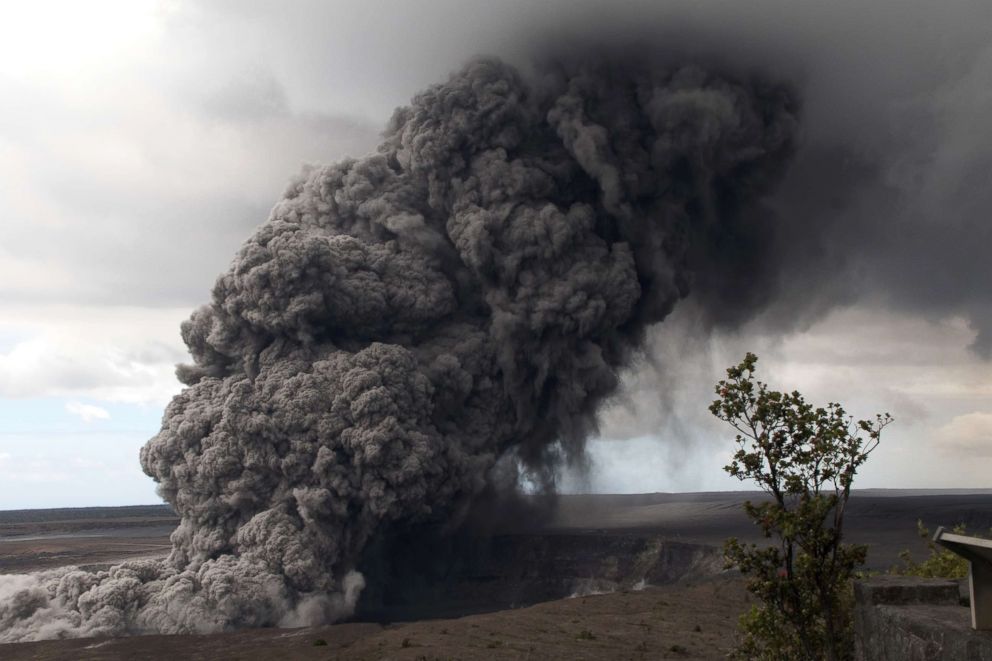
(805, 458)
(941, 563)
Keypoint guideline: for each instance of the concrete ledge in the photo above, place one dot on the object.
(915, 619)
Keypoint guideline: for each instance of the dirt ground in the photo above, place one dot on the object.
(33, 555)
(684, 621)
(31, 540)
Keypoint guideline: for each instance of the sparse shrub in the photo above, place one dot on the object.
(678, 649)
(941, 563)
(493, 644)
(320, 642)
(585, 634)
(806, 459)
(406, 643)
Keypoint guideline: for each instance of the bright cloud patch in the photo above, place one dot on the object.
(87, 412)
(969, 434)
(114, 355)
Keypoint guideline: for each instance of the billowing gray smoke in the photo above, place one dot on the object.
(405, 322)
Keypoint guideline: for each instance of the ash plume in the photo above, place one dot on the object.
(406, 324)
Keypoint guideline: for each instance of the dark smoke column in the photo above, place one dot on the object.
(404, 321)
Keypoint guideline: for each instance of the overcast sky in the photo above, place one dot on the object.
(142, 141)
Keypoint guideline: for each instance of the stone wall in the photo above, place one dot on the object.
(900, 618)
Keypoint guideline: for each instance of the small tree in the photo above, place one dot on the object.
(941, 563)
(806, 459)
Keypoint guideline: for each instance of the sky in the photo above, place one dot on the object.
(142, 141)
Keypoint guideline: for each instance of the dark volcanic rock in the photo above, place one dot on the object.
(462, 575)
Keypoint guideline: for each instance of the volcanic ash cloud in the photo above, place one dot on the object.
(404, 321)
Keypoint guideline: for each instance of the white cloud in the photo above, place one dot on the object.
(110, 354)
(87, 412)
(78, 469)
(870, 360)
(969, 435)
(135, 168)
(83, 38)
